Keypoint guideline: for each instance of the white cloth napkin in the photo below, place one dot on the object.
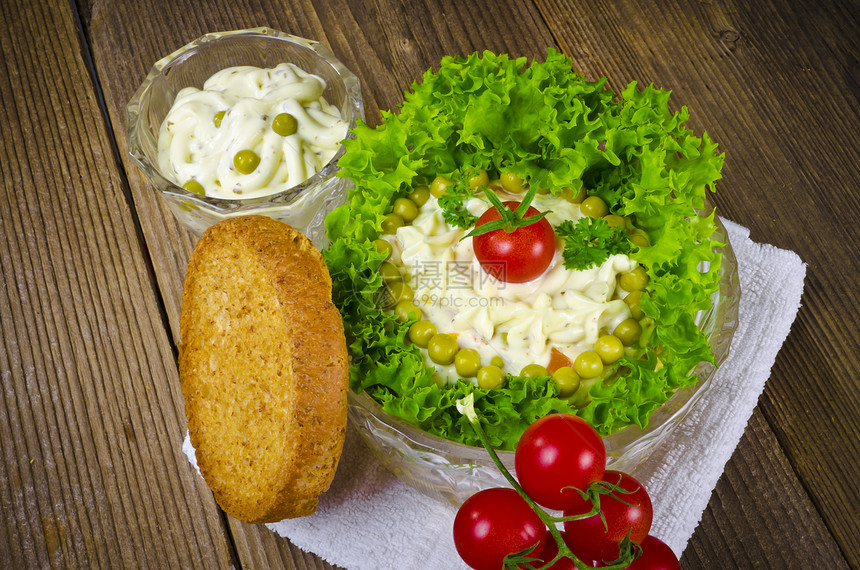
(369, 520)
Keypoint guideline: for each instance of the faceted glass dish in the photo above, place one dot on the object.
(303, 206)
(452, 472)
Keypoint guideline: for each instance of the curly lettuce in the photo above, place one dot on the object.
(558, 131)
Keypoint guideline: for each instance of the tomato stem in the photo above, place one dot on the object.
(466, 406)
(510, 221)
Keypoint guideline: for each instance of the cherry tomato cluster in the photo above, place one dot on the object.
(560, 464)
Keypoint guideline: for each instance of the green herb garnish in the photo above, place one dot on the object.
(590, 242)
(453, 205)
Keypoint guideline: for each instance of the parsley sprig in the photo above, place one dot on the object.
(453, 205)
(510, 220)
(590, 242)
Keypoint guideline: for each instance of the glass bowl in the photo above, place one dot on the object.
(305, 205)
(452, 472)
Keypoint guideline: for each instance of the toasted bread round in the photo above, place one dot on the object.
(263, 367)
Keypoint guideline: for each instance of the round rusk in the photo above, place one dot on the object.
(263, 368)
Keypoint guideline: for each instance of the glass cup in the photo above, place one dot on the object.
(305, 205)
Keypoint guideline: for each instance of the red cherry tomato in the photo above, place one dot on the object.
(518, 256)
(589, 539)
(656, 555)
(555, 453)
(494, 523)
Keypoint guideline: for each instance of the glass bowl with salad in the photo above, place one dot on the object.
(246, 122)
(528, 237)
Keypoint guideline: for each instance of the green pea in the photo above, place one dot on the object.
(439, 186)
(407, 309)
(615, 221)
(406, 209)
(497, 361)
(609, 348)
(594, 206)
(421, 332)
(533, 371)
(635, 280)
(467, 362)
(634, 300)
(512, 182)
(400, 291)
(490, 377)
(568, 381)
(383, 247)
(246, 161)
(442, 348)
(216, 120)
(574, 196)
(478, 178)
(640, 239)
(420, 195)
(628, 331)
(194, 187)
(588, 364)
(285, 124)
(391, 223)
(390, 272)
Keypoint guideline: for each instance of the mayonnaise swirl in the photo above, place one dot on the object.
(521, 322)
(192, 147)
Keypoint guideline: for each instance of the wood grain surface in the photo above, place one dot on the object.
(91, 418)
(91, 262)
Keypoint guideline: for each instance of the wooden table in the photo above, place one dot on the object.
(91, 263)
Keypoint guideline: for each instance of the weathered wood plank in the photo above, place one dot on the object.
(758, 503)
(90, 422)
(776, 85)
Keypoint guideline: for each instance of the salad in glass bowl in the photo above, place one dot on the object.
(519, 233)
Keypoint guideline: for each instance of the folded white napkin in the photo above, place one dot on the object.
(370, 520)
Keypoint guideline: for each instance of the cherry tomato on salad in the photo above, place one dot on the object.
(631, 512)
(555, 453)
(494, 523)
(517, 256)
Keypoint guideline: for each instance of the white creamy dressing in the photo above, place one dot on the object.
(191, 147)
(521, 322)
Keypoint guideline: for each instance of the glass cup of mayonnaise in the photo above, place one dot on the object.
(246, 122)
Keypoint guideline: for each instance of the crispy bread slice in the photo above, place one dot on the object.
(263, 367)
